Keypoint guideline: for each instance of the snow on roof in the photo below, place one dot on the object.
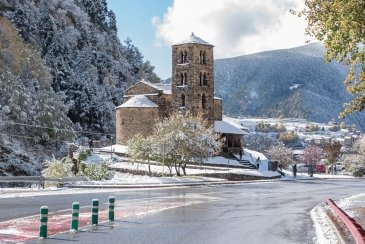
(138, 101)
(193, 39)
(227, 128)
(233, 122)
(165, 88)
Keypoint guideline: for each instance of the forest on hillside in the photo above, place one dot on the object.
(63, 70)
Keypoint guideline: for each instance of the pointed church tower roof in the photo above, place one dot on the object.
(194, 40)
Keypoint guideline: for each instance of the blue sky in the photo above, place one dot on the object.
(235, 27)
(134, 18)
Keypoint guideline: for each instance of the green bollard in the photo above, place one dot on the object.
(44, 220)
(111, 208)
(95, 212)
(75, 216)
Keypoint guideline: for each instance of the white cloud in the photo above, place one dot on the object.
(235, 27)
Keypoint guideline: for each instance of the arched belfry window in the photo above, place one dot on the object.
(182, 102)
(202, 57)
(204, 101)
(183, 57)
(205, 80)
(185, 80)
(201, 77)
(181, 79)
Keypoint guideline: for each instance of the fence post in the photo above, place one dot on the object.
(44, 220)
(111, 208)
(75, 216)
(95, 212)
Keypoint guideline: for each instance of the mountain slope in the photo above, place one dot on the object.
(88, 63)
(291, 82)
(26, 99)
(62, 72)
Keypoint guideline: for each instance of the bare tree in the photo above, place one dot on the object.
(282, 154)
(260, 142)
(359, 146)
(142, 148)
(312, 155)
(189, 138)
(356, 161)
(332, 152)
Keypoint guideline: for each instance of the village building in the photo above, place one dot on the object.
(191, 91)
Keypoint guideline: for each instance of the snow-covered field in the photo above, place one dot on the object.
(293, 124)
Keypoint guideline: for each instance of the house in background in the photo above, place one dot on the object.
(191, 91)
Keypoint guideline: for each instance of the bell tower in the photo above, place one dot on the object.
(193, 78)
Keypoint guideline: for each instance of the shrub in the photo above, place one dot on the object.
(343, 125)
(280, 127)
(58, 168)
(97, 172)
(83, 153)
(334, 128)
(287, 137)
(357, 173)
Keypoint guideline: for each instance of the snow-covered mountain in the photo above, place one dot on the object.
(293, 82)
(63, 70)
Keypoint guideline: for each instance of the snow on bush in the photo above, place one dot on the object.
(58, 169)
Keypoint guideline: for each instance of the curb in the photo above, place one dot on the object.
(356, 230)
(171, 185)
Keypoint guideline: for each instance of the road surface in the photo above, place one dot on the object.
(276, 212)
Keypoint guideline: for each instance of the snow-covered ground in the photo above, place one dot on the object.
(119, 162)
(196, 170)
(325, 233)
(305, 176)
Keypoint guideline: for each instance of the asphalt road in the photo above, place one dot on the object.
(277, 212)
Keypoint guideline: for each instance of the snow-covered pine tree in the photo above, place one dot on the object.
(79, 43)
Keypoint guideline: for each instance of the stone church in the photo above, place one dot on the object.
(191, 90)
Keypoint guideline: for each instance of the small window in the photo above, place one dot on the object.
(202, 57)
(184, 57)
(185, 80)
(181, 79)
(182, 100)
(201, 77)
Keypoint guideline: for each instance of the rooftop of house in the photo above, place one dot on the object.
(227, 127)
(138, 101)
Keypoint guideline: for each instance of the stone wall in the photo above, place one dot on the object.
(164, 106)
(193, 90)
(132, 121)
(139, 89)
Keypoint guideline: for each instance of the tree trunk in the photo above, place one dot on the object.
(183, 166)
(177, 169)
(149, 168)
(170, 170)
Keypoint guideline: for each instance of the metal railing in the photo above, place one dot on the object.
(356, 230)
(41, 179)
